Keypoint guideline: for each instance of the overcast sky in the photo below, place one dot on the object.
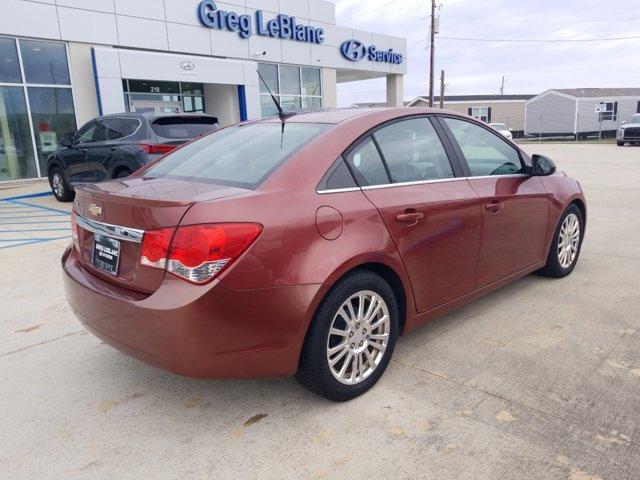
(476, 67)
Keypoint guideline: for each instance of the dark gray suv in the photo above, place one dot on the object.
(114, 146)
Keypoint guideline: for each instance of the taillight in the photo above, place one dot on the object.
(74, 229)
(157, 148)
(197, 253)
(155, 247)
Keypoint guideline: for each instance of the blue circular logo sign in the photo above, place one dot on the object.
(353, 50)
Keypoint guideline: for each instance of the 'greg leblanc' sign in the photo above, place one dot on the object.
(283, 26)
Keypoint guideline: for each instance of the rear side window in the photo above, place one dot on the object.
(413, 151)
(116, 128)
(242, 156)
(486, 153)
(367, 165)
(183, 128)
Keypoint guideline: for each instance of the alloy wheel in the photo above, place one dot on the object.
(57, 184)
(358, 337)
(568, 240)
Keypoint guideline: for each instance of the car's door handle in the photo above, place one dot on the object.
(410, 218)
(83, 150)
(113, 149)
(494, 207)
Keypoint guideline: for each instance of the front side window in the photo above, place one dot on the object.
(485, 152)
(45, 62)
(243, 155)
(367, 164)
(86, 133)
(413, 151)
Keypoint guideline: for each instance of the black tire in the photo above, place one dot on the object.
(619, 143)
(314, 372)
(553, 267)
(123, 174)
(59, 186)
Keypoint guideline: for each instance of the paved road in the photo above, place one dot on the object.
(538, 380)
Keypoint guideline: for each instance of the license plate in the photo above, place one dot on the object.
(106, 254)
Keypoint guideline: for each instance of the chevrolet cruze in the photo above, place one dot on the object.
(306, 245)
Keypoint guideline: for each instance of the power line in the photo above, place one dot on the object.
(527, 40)
(550, 20)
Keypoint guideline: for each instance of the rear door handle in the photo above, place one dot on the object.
(410, 218)
(494, 207)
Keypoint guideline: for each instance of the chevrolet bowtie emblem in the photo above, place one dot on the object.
(95, 210)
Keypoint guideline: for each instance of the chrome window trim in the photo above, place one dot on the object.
(338, 190)
(114, 231)
(418, 182)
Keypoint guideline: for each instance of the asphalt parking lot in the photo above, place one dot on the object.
(539, 380)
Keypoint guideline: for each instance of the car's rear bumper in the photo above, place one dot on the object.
(212, 332)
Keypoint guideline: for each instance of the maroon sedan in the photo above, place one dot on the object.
(307, 246)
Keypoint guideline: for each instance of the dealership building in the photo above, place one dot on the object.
(64, 62)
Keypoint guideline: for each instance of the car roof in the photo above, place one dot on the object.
(340, 115)
(153, 116)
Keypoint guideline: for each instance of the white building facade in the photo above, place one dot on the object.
(64, 62)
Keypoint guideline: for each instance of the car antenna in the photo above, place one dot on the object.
(281, 113)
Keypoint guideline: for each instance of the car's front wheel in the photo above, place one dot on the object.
(59, 186)
(620, 144)
(351, 338)
(565, 246)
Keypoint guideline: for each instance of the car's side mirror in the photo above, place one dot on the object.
(542, 166)
(66, 141)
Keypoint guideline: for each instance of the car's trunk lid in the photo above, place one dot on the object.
(122, 210)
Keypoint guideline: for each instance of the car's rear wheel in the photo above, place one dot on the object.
(351, 338)
(566, 244)
(123, 173)
(59, 186)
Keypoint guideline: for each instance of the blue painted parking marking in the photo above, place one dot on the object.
(20, 216)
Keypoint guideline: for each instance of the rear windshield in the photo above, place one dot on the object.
(242, 156)
(183, 128)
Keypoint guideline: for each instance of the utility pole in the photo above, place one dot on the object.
(432, 34)
(441, 89)
(502, 86)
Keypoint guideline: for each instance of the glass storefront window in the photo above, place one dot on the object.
(16, 149)
(269, 73)
(192, 88)
(311, 102)
(290, 80)
(150, 86)
(9, 66)
(45, 63)
(293, 87)
(290, 103)
(311, 81)
(53, 117)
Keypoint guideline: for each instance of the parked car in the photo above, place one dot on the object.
(629, 131)
(502, 129)
(114, 146)
(307, 247)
